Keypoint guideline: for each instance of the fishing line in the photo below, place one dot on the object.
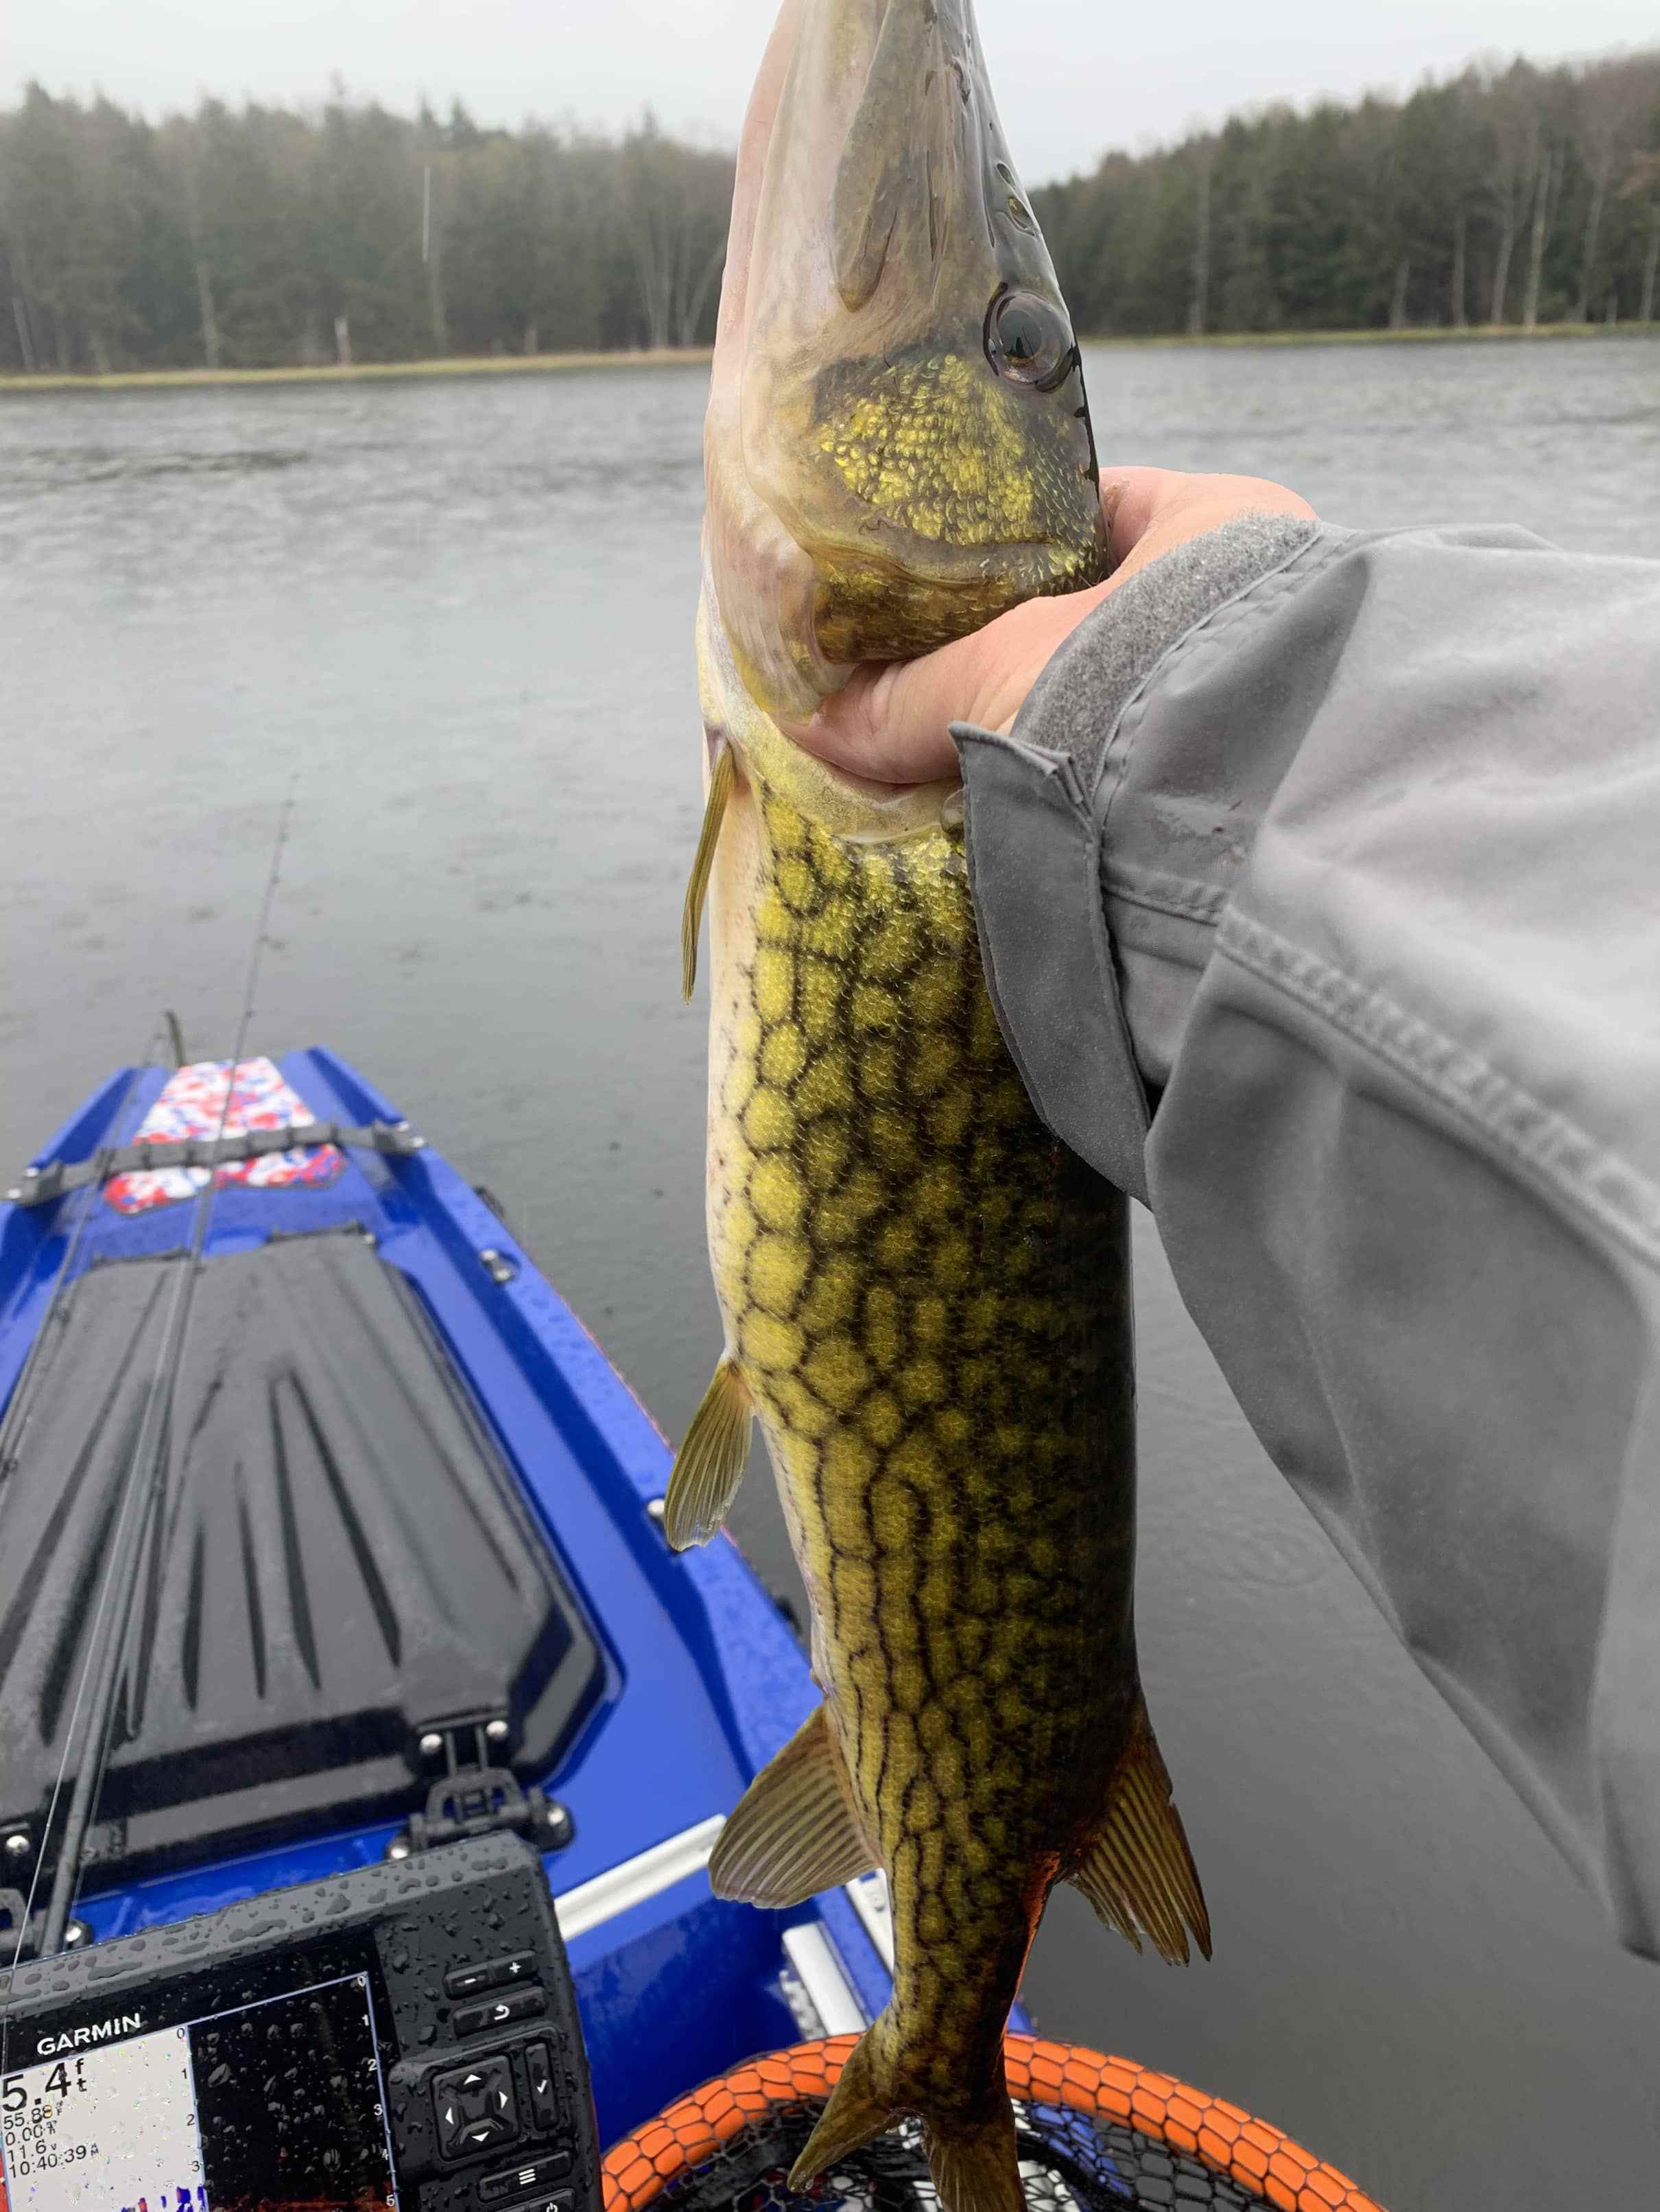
(148, 1460)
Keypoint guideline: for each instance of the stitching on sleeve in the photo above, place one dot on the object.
(1163, 893)
(1599, 1184)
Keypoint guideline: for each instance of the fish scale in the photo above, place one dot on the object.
(927, 1295)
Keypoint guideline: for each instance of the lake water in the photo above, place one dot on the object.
(455, 617)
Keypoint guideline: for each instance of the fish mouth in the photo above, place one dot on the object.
(899, 445)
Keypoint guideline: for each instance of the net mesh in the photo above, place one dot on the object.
(1095, 2135)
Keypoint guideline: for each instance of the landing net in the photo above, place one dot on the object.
(1094, 2134)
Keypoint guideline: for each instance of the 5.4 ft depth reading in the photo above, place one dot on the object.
(274, 2107)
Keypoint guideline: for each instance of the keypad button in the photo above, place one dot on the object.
(494, 1974)
(474, 2107)
(500, 2011)
(546, 2112)
(520, 2180)
(467, 1981)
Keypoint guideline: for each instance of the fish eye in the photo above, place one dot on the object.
(1028, 340)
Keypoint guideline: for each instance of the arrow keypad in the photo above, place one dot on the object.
(474, 2107)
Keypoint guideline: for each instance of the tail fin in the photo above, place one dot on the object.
(973, 2164)
(975, 2168)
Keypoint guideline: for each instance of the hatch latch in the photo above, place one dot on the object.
(483, 1801)
(475, 1797)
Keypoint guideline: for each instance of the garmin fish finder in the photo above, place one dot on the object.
(403, 2038)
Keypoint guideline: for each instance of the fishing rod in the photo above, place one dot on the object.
(60, 1299)
(14, 1424)
(142, 1485)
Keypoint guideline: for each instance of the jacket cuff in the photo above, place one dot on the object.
(1034, 821)
(1034, 870)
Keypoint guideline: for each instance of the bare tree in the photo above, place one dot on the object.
(1612, 105)
(1642, 184)
(675, 202)
(1513, 171)
(1543, 201)
(1199, 304)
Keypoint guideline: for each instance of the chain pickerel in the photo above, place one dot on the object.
(926, 1296)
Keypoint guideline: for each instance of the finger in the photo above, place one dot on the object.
(1131, 496)
(886, 726)
(1150, 510)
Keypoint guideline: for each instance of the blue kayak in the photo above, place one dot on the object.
(402, 1575)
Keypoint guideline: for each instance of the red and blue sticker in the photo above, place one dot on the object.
(211, 1099)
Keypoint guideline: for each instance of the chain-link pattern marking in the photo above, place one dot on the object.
(928, 1296)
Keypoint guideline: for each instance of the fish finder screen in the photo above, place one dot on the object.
(277, 2106)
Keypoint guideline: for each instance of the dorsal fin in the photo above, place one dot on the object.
(793, 1833)
(722, 774)
(1138, 1872)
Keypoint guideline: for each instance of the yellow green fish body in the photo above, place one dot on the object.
(926, 1296)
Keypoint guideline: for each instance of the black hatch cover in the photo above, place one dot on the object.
(337, 1562)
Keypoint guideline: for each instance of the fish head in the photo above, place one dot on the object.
(898, 446)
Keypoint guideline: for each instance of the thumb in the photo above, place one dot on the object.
(890, 722)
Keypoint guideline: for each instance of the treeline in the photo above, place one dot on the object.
(262, 237)
(1519, 195)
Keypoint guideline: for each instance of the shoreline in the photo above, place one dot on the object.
(1415, 334)
(554, 364)
(361, 372)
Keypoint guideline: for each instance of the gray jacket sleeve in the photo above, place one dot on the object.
(1318, 888)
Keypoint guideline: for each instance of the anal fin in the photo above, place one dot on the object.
(793, 1833)
(1138, 1872)
(710, 1463)
(722, 775)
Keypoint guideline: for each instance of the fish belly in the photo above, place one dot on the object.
(928, 1299)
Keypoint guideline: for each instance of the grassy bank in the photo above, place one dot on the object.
(547, 364)
(535, 364)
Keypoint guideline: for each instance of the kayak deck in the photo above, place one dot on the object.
(335, 1565)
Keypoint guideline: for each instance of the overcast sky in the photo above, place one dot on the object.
(1072, 76)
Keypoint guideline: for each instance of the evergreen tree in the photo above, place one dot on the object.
(263, 236)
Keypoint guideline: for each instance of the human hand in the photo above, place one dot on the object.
(890, 722)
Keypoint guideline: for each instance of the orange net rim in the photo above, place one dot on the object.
(1207, 2129)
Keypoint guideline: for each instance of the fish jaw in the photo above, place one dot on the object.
(898, 445)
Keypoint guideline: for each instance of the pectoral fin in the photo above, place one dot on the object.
(722, 774)
(793, 1833)
(1139, 1872)
(710, 1463)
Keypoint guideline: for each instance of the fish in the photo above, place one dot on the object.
(925, 1295)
